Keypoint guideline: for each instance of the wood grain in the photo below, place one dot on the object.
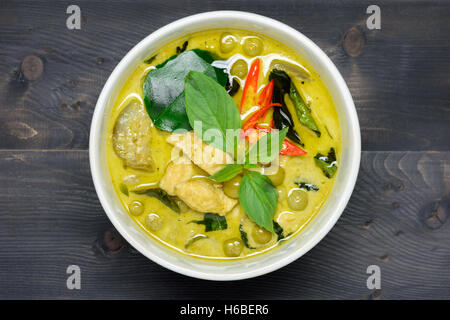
(51, 218)
(399, 80)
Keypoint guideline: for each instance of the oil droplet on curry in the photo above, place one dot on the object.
(174, 200)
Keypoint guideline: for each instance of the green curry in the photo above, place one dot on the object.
(223, 206)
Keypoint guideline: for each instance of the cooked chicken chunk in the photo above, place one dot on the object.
(199, 194)
(204, 196)
(177, 172)
(131, 136)
(202, 154)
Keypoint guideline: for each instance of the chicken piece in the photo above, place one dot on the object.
(132, 135)
(177, 172)
(202, 154)
(199, 194)
(204, 196)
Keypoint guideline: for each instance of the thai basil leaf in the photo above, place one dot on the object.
(164, 85)
(278, 230)
(164, 197)
(221, 74)
(244, 237)
(205, 55)
(209, 103)
(174, 116)
(328, 164)
(258, 198)
(228, 172)
(162, 64)
(303, 112)
(307, 186)
(212, 222)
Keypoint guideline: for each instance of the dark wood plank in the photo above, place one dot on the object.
(399, 80)
(50, 218)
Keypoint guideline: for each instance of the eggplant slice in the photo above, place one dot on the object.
(132, 136)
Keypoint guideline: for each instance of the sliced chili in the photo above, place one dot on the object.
(251, 86)
(251, 122)
(290, 149)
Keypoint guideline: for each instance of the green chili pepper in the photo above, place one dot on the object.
(303, 112)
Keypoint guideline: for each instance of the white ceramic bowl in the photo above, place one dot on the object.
(289, 251)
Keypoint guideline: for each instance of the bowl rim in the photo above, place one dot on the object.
(123, 65)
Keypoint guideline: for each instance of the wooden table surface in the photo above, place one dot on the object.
(397, 218)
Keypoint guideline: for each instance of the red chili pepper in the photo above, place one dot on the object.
(248, 130)
(253, 135)
(260, 127)
(290, 149)
(264, 99)
(266, 94)
(267, 119)
(251, 86)
(251, 122)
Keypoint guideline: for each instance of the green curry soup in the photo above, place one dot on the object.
(221, 209)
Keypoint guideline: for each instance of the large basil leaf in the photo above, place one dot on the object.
(258, 198)
(208, 102)
(174, 116)
(163, 87)
(221, 75)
